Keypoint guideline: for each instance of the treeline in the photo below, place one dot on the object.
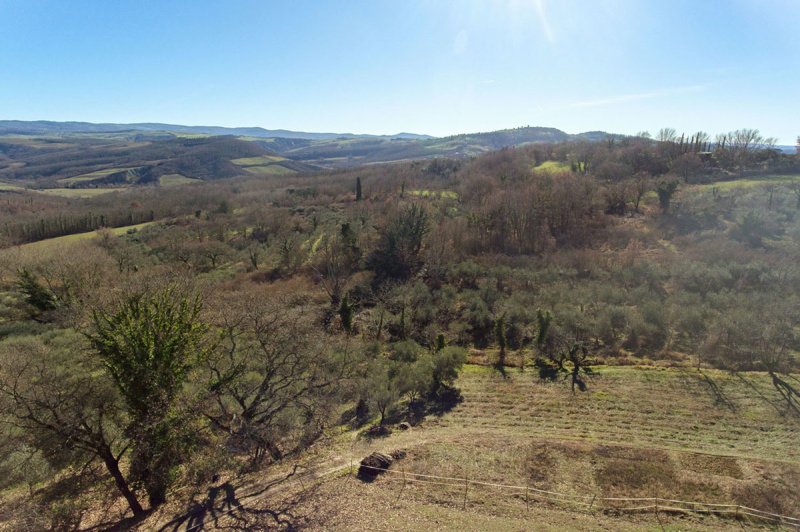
(67, 225)
(31, 216)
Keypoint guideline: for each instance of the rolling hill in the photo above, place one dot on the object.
(90, 162)
(83, 155)
(45, 127)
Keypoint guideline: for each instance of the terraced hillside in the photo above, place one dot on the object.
(675, 433)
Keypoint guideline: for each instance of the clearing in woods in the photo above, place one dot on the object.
(58, 241)
(681, 433)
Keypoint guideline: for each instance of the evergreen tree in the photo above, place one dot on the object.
(346, 315)
(148, 346)
(665, 191)
(500, 336)
(36, 294)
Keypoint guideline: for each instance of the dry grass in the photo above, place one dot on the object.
(644, 407)
(639, 432)
(345, 503)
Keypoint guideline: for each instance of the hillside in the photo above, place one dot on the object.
(349, 152)
(80, 162)
(327, 150)
(640, 432)
(45, 128)
(276, 326)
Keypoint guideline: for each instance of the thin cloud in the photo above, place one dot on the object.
(625, 98)
(543, 20)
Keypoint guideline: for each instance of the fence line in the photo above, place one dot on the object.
(706, 508)
(690, 506)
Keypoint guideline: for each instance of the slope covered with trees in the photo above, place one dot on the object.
(256, 318)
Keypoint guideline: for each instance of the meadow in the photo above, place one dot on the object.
(640, 432)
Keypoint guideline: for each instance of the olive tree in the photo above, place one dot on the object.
(272, 380)
(62, 404)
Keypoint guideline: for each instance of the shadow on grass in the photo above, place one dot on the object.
(443, 401)
(223, 502)
(435, 404)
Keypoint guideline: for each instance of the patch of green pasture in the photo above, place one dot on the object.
(48, 243)
(171, 180)
(91, 176)
(76, 192)
(751, 182)
(258, 161)
(552, 167)
(270, 169)
(191, 135)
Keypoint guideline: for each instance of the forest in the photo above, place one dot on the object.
(247, 320)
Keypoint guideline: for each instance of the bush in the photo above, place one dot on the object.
(446, 365)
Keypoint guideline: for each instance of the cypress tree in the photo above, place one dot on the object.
(346, 314)
(500, 336)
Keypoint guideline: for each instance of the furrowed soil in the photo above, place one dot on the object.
(684, 434)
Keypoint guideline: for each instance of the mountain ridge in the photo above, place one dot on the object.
(45, 127)
(42, 127)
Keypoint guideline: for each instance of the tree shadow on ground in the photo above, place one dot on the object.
(222, 501)
(443, 401)
(125, 523)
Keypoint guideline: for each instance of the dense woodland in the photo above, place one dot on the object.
(253, 317)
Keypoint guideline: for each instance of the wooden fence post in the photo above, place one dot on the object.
(657, 515)
(466, 487)
(404, 485)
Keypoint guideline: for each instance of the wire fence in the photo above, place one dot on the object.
(532, 495)
(593, 502)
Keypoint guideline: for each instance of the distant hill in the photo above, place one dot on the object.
(83, 155)
(82, 162)
(44, 127)
(354, 152)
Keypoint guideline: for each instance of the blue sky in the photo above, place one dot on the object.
(426, 66)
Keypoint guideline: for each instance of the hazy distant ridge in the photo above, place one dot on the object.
(46, 127)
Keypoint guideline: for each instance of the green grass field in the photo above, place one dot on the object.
(271, 169)
(91, 176)
(171, 180)
(552, 167)
(76, 192)
(751, 182)
(258, 161)
(69, 239)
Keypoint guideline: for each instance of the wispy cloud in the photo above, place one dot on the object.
(625, 98)
(541, 11)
